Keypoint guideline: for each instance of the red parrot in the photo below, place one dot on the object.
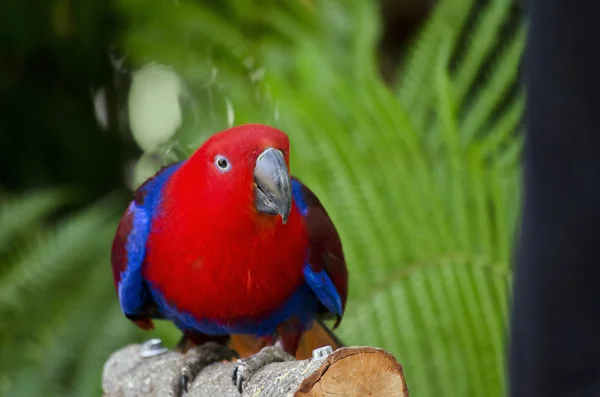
(235, 251)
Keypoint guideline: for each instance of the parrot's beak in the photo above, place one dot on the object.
(273, 190)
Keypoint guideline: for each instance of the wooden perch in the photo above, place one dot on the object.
(349, 371)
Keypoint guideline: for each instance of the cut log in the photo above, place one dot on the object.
(349, 371)
(356, 371)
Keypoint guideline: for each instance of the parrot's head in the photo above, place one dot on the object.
(247, 168)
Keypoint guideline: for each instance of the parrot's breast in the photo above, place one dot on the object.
(229, 282)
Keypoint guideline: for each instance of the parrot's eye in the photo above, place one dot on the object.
(222, 163)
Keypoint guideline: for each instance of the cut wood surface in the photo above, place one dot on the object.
(349, 371)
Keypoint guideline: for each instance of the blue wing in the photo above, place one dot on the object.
(323, 287)
(129, 247)
(325, 271)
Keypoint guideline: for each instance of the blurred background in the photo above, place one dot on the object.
(404, 117)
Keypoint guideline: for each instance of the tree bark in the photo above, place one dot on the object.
(349, 371)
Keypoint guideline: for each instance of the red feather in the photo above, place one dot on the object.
(119, 253)
(208, 238)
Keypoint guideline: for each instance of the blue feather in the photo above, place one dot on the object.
(323, 287)
(303, 303)
(133, 292)
(299, 197)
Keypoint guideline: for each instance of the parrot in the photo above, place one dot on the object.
(236, 252)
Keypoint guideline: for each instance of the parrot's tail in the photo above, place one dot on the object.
(319, 335)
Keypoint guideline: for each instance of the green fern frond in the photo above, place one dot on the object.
(503, 131)
(114, 332)
(22, 211)
(500, 77)
(45, 262)
(48, 294)
(415, 87)
(76, 322)
(483, 38)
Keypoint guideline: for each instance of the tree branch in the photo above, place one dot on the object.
(353, 371)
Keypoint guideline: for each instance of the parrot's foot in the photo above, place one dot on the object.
(247, 367)
(196, 359)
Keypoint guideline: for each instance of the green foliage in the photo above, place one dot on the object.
(60, 316)
(421, 179)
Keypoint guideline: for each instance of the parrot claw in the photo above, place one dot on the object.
(247, 367)
(195, 360)
(185, 379)
(238, 377)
